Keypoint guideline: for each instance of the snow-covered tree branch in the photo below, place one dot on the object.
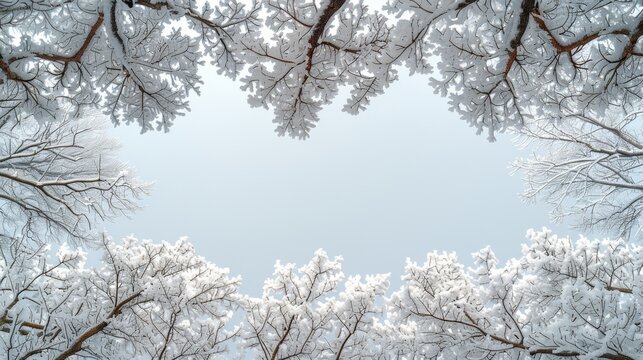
(157, 301)
(302, 313)
(591, 168)
(312, 50)
(507, 63)
(136, 60)
(561, 299)
(57, 178)
(501, 63)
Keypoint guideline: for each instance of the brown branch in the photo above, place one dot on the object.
(319, 28)
(619, 289)
(350, 333)
(32, 325)
(7, 71)
(188, 13)
(313, 42)
(6, 320)
(81, 51)
(527, 7)
(115, 30)
(575, 354)
(152, 5)
(521, 345)
(78, 344)
(330, 44)
(464, 4)
(561, 48)
(283, 338)
(634, 37)
(76, 57)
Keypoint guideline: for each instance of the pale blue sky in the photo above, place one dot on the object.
(403, 178)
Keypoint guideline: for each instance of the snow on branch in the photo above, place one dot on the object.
(502, 64)
(509, 63)
(158, 301)
(58, 178)
(560, 299)
(309, 51)
(136, 61)
(589, 167)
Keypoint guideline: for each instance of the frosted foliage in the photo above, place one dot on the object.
(590, 168)
(136, 60)
(505, 62)
(147, 300)
(59, 178)
(560, 299)
(306, 51)
(501, 63)
(302, 314)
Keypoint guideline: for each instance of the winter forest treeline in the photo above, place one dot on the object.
(563, 77)
(560, 299)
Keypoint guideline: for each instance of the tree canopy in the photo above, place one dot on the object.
(59, 178)
(501, 63)
(560, 299)
(565, 76)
